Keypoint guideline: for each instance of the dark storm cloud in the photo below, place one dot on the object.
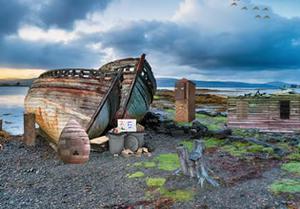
(59, 13)
(11, 14)
(268, 48)
(63, 13)
(16, 52)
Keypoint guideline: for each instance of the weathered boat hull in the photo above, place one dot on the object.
(91, 101)
(138, 86)
(94, 98)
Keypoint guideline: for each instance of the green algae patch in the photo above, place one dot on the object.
(286, 186)
(155, 182)
(168, 162)
(292, 167)
(212, 142)
(136, 175)
(188, 144)
(178, 195)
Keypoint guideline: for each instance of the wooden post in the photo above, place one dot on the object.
(29, 129)
(1, 123)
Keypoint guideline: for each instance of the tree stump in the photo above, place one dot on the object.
(74, 144)
(193, 165)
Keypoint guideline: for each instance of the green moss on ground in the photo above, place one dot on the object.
(294, 156)
(184, 123)
(239, 149)
(178, 195)
(138, 174)
(168, 162)
(212, 123)
(292, 167)
(212, 142)
(234, 151)
(286, 186)
(148, 164)
(155, 182)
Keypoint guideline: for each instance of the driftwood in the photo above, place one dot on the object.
(193, 165)
(99, 140)
(276, 149)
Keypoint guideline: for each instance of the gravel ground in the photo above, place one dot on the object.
(36, 178)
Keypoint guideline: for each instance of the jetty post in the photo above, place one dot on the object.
(29, 129)
(1, 123)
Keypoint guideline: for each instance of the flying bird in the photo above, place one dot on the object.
(234, 4)
(267, 17)
(256, 8)
(245, 8)
(258, 16)
(266, 9)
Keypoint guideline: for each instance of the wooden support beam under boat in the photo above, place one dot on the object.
(29, 129)
(1, 123)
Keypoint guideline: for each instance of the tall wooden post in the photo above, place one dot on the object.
(1, 123)
(185, 100)
(29, 129)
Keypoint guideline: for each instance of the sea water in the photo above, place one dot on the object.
(12, 108)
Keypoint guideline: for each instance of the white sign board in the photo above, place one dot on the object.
(127, 125)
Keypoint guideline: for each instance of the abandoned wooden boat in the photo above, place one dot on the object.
(94, 98)
(138, 86)
(88, 96)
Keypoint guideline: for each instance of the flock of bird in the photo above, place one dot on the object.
(263, 10)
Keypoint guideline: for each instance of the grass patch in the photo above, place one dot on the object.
(178, 195)
(286, 186)
(292, 167)
(212, 142)
(188, 144)
(138, 174)
(168, 162)
(155, 182)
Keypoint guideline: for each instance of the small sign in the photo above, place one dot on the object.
(127, 125)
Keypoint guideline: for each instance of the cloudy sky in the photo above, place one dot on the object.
(197, 39)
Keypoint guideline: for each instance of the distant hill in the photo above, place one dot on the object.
(170, 82)
(17, 82)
